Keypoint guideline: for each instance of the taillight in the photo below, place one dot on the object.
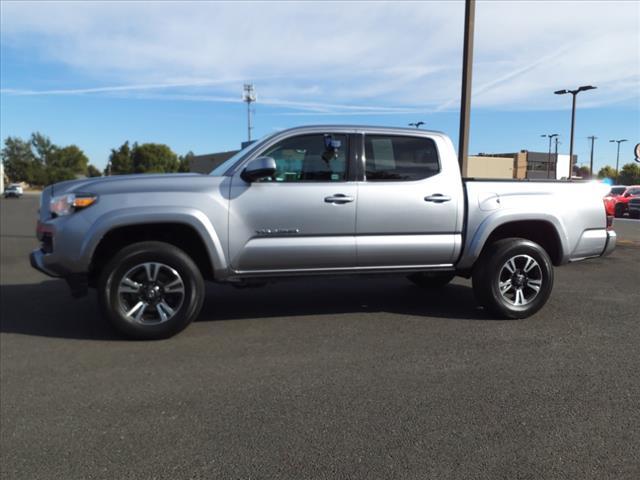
(609, 217)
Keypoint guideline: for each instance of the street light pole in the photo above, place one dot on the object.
(555, 169)
(551, 137)
(573, 118)
(593, 139)
(618, 155)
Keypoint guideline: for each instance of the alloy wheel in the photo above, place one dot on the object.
(520, 280)
(151, 293)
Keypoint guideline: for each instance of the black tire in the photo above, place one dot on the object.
(171, 263)
(619, 211)
(431, 279)
(491, 271)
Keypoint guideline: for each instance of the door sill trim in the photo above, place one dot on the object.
(344, 270)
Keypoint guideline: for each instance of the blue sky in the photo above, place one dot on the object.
(97, 74)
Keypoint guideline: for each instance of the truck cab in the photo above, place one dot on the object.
(322, 207)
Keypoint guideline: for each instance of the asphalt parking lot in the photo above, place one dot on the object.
(332, 378)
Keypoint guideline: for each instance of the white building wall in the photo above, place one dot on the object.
(562, 167)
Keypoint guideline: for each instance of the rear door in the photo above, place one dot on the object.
(301, 219)
(408, 204)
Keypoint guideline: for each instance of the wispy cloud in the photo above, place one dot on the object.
(109, 89)
(398, 57)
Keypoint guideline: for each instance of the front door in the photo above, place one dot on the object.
(408, 204)
(303, 218)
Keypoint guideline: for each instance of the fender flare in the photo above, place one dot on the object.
(474, 246)
(124, 217)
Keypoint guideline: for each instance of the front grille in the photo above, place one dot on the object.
(46, 244)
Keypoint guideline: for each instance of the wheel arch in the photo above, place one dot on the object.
(538, 231)
(545, 230)
(190, 231)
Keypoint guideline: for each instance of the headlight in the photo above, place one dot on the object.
(69, 203)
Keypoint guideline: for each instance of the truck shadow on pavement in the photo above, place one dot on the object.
(46, 309)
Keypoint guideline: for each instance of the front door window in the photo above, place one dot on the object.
(310, 158)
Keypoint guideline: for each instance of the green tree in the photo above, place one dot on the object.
(120, 161)
(18, 159)
(185, 162)
(93, 171)
(629, 174)
(65, 163)
(70, 157)
(583, 172)
(38, 161)
(42, 147)
(153, 158)
(607, 172)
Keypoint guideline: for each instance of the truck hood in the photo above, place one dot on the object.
(164, 182)
(127, 186)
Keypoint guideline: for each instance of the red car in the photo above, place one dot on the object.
(622, 201)
(611, 197)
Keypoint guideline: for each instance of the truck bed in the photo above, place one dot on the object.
(581, 232)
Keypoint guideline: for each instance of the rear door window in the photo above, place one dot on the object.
(400, 158)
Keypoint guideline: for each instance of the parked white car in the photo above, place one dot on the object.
(14, 190)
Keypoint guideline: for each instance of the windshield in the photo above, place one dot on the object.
(227, 164)
(618, 190)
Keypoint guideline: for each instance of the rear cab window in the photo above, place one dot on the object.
(400, 158)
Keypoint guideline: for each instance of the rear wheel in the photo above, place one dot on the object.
(151, 290)
(431, 279)
(513, 278)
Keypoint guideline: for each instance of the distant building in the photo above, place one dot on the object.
(485, 166)
(536, 165)
(206, 163)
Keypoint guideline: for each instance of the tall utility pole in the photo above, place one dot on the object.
(249, 97)
(467, 68)
(573, 119)
(551, 137)
(593, 138)
(618, 155)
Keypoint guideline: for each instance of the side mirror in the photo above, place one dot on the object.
(259, 168)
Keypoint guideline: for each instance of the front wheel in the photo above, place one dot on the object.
(151, 290)
(513, 278)
(619, 211)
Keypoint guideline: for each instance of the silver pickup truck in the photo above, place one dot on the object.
(314, 200)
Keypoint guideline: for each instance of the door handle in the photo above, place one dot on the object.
(338, 199)
(437, 198)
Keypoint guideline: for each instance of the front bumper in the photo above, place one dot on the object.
(78, 282)
(611, 243)
(37, 261)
